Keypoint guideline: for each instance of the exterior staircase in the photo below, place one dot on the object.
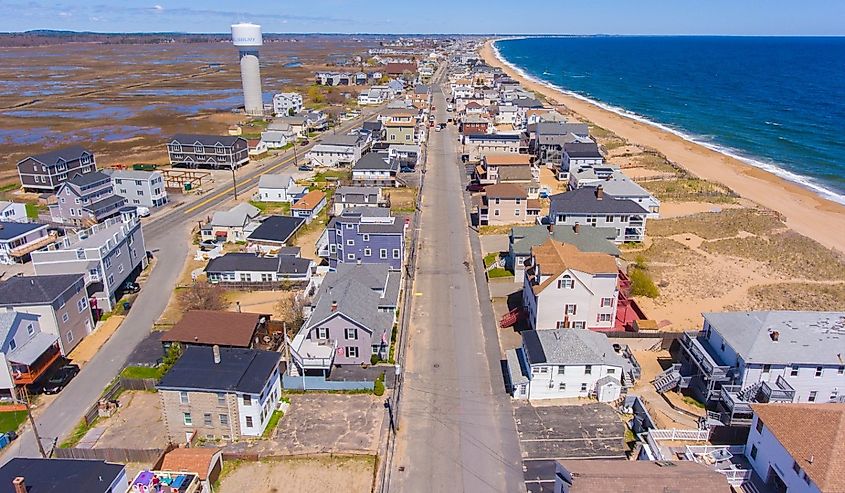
(749, 394)
(668, 380)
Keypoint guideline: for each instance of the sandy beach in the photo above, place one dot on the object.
(803, 211)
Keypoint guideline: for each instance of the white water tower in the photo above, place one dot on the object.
(247, 37)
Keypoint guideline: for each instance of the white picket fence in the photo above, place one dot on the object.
(681, 435)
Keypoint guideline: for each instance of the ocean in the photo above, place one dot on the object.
(775, 102)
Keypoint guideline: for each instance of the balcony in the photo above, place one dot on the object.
(33, 359)
(697, 353)
(726, 459)
(779, 391)
(737, 410)
(312, 355)
(32, 246)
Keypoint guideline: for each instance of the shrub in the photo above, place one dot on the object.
(203, 296)
(378, 386)
(642, 285)
(374, 359)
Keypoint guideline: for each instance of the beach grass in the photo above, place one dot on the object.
(690, 190)
(794, 296)
(726, 223)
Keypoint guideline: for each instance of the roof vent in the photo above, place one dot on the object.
(599, 192)
(215, 349)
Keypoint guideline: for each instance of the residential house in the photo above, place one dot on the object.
(527, 103)
(488, 171)
(603, 475)
(19, 240)
(86, 199)
(279, 188)
(220, 393)
(593, 207)
(46, 172)
(375, 128)
(25, 475)
(375, 169)
(26, 353)
(338, 150)
(207, 151)
(586, 238)
(551, 137)
(257, 148)
(248, 270)
(565, 287)
(474, 125)
(798, 447)
(59, 301)
(522, 176)
(400, 125)
(421, 97)
(575, 155)
(13, 212)
(510, 115)
(316, 120)
(615, 184)
(351, 320)
(309, 206)
(230, 226)
(368, 235)
(108, 254)
(473, 108)
(345, 196)
(498, 143)
(567, 363)
(374, 96)
(218, 328)
(291, 128)
(205, 462)
(505, 203)
(139, 188)
(408, 69)
(767, 356)
(273, 233)
(287, 103)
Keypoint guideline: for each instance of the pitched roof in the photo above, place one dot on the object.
(582, 149)
(585, 200)
(239, 370)
(274, 181)
(505, 191)
(214, 327)
(68, 153)
(603, 475)
(803, 337)
(342, 140)
(555, 257)
(587, 239)
(309, 201)
(61, 475)
(509, 159)
(814, 435)
(36, 290)
(197, 460)
(81, 180)
(11, 230)
(276, 228)
(248, 262)
(236, 216)
(206, 140)
(355, 301)
(570, 347)
(374, 161)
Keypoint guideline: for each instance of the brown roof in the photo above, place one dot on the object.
(507, 159)
(309, 201)
(399, 112)
(505, 191)
(534, 204)
(600, 476)
(195, 459)
(410, 123)
(814, 435)
(231, 329)
(555, 257)
(515, 173)
(398, 68)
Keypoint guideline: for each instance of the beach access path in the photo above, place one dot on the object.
(804, 211)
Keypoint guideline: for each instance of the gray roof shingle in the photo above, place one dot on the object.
(68, 153)
(585, 201)
(563, 347)
(277, 228)
(240, 370)
(588, 238)
(249, 262)
(36, 290)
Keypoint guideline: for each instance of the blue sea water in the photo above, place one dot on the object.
(776, 102)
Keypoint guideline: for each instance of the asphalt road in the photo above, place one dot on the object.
(456, 428)
(167, 236)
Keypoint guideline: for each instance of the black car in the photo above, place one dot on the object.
(131, 287)
(59, 379)
(305, 167)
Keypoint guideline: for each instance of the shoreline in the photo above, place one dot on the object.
(804, 210)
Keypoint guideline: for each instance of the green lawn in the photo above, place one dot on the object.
(490, 259)
(271, 207)
(11, 421)
(498, 272)
(77, 434)
(32, 211)
(140, 372)
(335, 174)
(271, 425)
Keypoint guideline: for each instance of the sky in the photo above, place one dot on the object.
(739, 17)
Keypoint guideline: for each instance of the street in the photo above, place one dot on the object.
(456, 428)
(167, 237)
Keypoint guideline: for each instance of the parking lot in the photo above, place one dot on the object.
(548, 433)
(136, 425)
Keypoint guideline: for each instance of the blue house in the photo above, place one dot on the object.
(366, 235)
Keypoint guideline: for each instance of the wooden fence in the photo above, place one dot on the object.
(138, 383)
(114, 390)
(119, 455)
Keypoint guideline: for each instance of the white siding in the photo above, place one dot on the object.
(772, 456)
(548, 385)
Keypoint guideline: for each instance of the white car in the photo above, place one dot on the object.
(143, 211)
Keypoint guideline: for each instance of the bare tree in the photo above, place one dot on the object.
(289, 307)
(203, 296)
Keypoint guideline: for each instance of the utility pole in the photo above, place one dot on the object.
(234, 182)
(25, 402)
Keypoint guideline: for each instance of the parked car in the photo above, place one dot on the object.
(131, 287)
(305, 167)
(304, 142)
(7, 438)
(60, 378)
(208, 245)
(143, 211)
(475, 187)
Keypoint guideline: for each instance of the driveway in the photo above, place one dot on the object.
(494, 243)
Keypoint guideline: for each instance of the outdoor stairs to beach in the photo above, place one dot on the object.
(749, 394)
(668, 380)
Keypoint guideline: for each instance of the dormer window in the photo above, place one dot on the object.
(565, 282)
(198, 149)
(177, 147)
(219, 148)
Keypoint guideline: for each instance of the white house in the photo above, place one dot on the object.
(243, 268)
(577, 154)
(616, 185)
(309, 206)
(567, 363)
(12, 211)
(287, 103)
(375, 169)
(26, 352)
(798, 447)
(139, 188)
(279, 188)
(18, 240)
(375, 95)
(339, 150)
(230, 226)
(594, 207)
(565, 287)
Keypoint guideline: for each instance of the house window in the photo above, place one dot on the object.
(351, 351)
(367, 252)
(560, 324)
(565, 282)
(224, 419)
(183, 397)
(186, 418)
(322, 333)
(561, 386)
(611, 371)
(579, 325)
(366, 237)
(806, 478)
(206, 419)
(583, 387)
(819, 370)
(65, 317)
(812, 397)
(12, 345)
(395, 253)
(30, 329)
(247, 400)
(221, 399)
(833, 396)
(793, 371)
(588, 370)
(382, 253)
(606, 302)
(69, 336)
(265, 277)
(350, 242)
(516, 212)
(350, 334)
(605, 317)
(840, 370)
(350, 256)
(609, 219)
(332, 248)
(753, 451)
(759, 426)
(249, 421)
(796, 468)
(561, 370)
(569, 309)
(120, 269)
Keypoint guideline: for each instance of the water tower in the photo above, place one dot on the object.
(247, 37)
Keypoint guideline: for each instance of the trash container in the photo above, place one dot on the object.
(126, 306)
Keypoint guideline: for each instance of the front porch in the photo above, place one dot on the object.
(32, 360)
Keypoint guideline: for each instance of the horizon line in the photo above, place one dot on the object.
(489, 35)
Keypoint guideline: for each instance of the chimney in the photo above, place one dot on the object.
(775, 335)
(334, 306)
(215, 349)
(19, 484)
(576, 228)
(599, 192)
